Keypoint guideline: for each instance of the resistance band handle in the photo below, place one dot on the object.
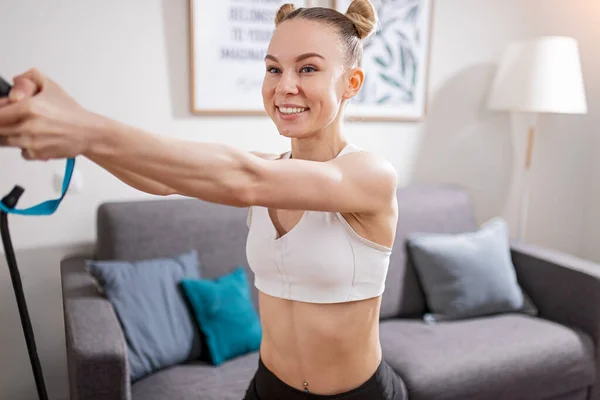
(11, 199)
(4, 88)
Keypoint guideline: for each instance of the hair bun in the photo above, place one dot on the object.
(283, 12)
(363, 16)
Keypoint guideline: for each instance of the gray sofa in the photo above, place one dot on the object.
(513, 356)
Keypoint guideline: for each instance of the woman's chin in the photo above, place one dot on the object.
(291, 132)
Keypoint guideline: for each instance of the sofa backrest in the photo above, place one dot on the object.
(135, 230)
(144, 229)
(441, 208)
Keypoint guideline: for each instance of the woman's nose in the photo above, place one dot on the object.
(288, 84)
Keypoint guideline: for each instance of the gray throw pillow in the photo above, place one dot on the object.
(469, 274)
(152, 309)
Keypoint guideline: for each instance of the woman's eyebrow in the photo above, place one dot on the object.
(299, 58)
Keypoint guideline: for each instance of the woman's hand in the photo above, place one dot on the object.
(43, 120)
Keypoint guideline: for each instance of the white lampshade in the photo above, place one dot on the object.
(542, 75)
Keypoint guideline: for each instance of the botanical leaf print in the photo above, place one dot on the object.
(390, 54)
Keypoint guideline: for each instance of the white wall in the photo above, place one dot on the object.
(128, 60)
(589, 36)
(567, 192)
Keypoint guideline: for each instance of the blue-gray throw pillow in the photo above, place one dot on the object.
(152, 309)
(468, 275)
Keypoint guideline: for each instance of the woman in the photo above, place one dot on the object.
(322, 217)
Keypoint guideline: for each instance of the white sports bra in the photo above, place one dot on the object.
(320, 260)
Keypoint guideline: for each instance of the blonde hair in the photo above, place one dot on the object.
(358, 23)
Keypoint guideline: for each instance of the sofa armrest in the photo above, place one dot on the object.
(96, 349)
(565, 288)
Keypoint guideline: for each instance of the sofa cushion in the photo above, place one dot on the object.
(443, 208)
(152, 310)
(468, 274)
(224, 313)
(199, 381)
(509, 356)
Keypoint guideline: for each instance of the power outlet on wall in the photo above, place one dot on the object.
(75, 186)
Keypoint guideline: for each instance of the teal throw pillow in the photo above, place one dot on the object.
(225, 314)
(151, 307)
(468, 275)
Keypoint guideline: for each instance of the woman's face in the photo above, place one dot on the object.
(305, 79)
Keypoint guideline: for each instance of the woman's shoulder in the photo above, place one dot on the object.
(369, 162)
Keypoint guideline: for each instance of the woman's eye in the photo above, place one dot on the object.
(307, 69)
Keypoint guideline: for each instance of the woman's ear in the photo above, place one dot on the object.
(356, 78)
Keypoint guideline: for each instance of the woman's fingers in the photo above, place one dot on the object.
(29, 149)
(28, 154)
(27, 85)
(36, 76)
(22, 88)
(4, 101)
(12, 114)
(43, 123)
(15, 141)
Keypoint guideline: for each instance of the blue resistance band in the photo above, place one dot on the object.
(47, 207)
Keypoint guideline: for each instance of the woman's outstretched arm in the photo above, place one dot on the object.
(213, 172)
(150, 186)
(358, 182)
(52, 125)
(134, 180)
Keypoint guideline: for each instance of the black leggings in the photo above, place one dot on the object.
(385, 384)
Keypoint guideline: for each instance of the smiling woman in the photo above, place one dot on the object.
(290, 111)
(301, 59)
(322, 216)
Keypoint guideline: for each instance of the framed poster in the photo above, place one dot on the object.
(228, 43)
(396, 62)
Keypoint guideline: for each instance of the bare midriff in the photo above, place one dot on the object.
(333, 348)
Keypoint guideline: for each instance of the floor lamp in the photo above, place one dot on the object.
(535, 77)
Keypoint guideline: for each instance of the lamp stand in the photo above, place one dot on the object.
(526, 181)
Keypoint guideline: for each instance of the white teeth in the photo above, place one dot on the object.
(291, 110)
